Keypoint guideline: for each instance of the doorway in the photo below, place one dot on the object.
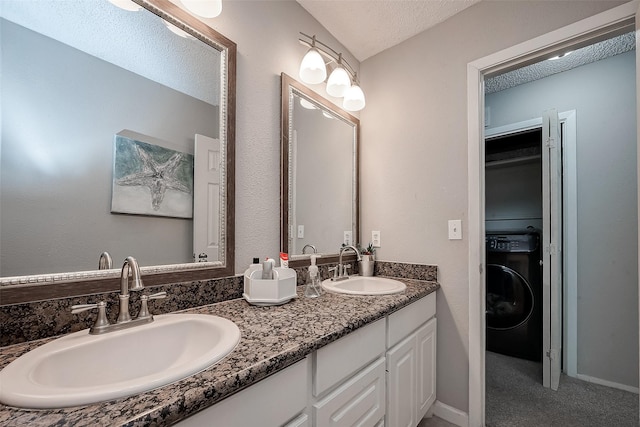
(612, 20)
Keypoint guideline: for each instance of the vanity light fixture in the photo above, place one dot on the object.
(204, 8)
(354, 99)
(343, 81)
(339, 81)
(312, 68)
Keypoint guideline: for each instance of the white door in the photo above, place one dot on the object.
(206, 199)
(551, 246)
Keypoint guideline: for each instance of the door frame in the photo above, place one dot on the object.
(522, 53)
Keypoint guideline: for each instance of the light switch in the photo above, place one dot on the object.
(455, 229)
(375, 239)
(301, 232)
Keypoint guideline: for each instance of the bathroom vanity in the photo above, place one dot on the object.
(321, 361)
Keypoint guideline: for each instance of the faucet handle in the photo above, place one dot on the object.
(101, 320)
(144, 309)
(79, 308)
(335, 271)
(345, 268)
(158, 295)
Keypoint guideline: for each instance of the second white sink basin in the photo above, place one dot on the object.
(360, 285)
(80, 369)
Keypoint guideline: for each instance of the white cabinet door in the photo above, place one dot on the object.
(411, 377)
(401, 384)
(426, 361)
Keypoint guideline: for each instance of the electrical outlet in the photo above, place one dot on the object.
(348, 238)
(455, 229)
(301, 232)
(375, 239)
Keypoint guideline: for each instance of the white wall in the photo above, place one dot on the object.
(414, 152)
(266, 33)
(603, 95)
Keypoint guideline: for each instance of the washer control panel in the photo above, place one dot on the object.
(512, 242)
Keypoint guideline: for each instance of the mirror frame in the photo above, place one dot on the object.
(22, 289)
(291, 86)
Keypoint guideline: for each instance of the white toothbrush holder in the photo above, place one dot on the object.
(279, 290)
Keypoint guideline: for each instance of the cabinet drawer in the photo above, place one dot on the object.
(359, 401)
(270, 402)
(343, 357)
(408, 319)
(301, 421)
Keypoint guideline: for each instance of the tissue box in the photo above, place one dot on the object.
(281, 289)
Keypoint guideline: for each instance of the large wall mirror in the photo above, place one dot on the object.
(100, 111)
(319, 176)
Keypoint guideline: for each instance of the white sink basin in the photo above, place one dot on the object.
(80, 369)
(359, 285)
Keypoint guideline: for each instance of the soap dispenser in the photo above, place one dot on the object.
(313, 289)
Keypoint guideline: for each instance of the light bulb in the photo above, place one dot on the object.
(353, 99)
(312, 68)
(204, 8)
(338, 83)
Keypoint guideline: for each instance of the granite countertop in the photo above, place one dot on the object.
(272, 338)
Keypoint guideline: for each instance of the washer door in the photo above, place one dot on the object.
(509, 298)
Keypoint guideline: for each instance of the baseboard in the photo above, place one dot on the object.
(608, 383)
(450, 414)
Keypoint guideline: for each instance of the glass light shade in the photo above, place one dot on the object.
(204, 8)
(306, 104)
(312, 68)
(126, 5)
(353, 99)
(177, 31)
(338, 83)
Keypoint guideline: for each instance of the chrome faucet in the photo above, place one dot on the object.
(313, 248)
(130, 265)
(340, 271)
(105, 262)
(102, 325)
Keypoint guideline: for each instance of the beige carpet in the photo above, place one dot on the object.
(516, 398)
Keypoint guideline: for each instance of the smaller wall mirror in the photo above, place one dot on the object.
(319, 174)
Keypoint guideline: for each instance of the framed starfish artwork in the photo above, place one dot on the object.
(149, 179)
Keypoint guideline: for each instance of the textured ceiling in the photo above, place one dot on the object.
(367, 27)
(586, 55)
